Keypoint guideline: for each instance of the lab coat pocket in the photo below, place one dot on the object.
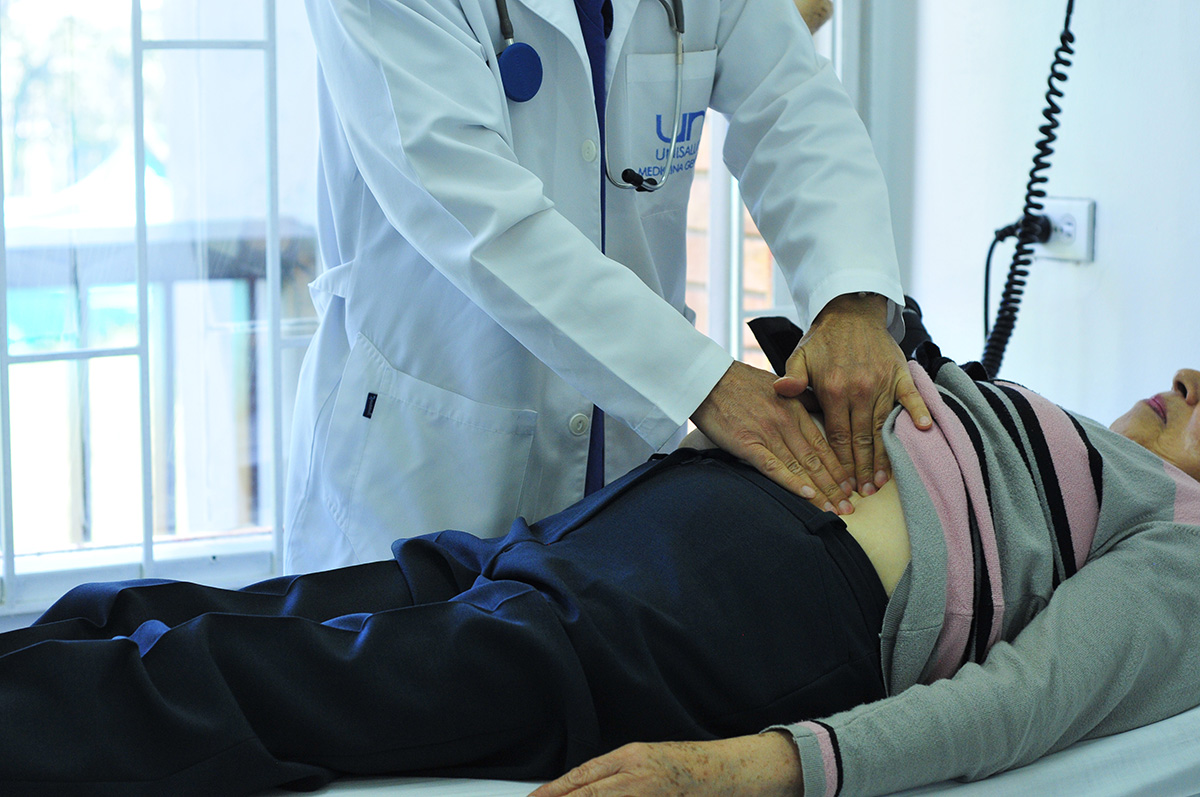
(404, 457)
(651, 120)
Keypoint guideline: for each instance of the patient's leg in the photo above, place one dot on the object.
(108, 609)
(702, 603)
(486, 683)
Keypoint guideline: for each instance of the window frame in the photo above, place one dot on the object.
(233, 560)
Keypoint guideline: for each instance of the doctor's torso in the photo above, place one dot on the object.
(555, 138)
(487, 285)
(438, 333)
(556, 135)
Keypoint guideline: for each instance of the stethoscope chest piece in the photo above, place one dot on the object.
(520, 71)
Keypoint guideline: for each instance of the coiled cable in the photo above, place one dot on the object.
(1031, 226)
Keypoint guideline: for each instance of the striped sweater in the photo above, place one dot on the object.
(1053, 594)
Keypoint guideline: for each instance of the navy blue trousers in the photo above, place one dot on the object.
(693, 599)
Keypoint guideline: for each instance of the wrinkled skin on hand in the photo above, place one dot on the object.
(748, 417)
(765, 765)
(858, 373)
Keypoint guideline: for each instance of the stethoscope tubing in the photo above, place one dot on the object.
(629, 178)
(650, 184)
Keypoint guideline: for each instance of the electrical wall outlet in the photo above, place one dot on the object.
(1072, 230)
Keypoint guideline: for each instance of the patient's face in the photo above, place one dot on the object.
(1169, 423)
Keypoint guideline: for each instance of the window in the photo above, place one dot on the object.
(157, 241)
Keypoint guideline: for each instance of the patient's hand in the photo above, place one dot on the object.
(766, 764)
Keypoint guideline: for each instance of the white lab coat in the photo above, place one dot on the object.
(466, 298)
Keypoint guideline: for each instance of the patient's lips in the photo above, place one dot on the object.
(1160, 408)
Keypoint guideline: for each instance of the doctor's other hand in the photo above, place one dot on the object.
(765, 765)
(746, 416)
(858, 373)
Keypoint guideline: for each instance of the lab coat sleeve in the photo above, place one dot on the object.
(803, 160)
(424, 117)
(1114, 649)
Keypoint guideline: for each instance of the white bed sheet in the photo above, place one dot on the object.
(1159, 760)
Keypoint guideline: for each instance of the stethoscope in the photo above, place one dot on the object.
(521, 74)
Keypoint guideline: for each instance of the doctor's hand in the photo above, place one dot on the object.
(765, 765)
(745, 415)
(858, 373)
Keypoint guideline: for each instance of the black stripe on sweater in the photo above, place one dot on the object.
(1004, 414)
(984, 609)
(1051, 489)
(930, 357)
(964, 417)
(1095, 462)
(837, 755)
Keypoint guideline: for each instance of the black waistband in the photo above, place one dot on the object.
(841, 546)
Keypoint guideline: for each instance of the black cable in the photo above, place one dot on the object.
(1001, 234)
(1031, 224)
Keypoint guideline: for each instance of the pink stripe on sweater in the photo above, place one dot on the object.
(1072, 470)
(1187, 496)
(828, 757)
(941, 476)
(972, 476)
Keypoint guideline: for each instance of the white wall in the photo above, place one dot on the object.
(1095, 337)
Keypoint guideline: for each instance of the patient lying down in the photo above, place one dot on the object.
(1028, 579)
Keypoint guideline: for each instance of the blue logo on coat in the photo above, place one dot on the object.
(686, 146)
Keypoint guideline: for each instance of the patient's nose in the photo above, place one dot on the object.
(1187, 384)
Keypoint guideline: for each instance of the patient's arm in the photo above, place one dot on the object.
(763, 765)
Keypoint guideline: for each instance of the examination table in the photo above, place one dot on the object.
(1159, 760)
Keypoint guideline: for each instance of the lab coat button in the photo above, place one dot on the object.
(579, 423)
(589, 151)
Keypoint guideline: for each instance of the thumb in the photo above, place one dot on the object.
(795, 381)
(789, 386)
(910, 398)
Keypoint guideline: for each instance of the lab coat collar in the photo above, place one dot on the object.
(561, 14)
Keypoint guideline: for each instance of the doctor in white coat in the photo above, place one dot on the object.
(494, 290)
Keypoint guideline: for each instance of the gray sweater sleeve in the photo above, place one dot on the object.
(1114, 649)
